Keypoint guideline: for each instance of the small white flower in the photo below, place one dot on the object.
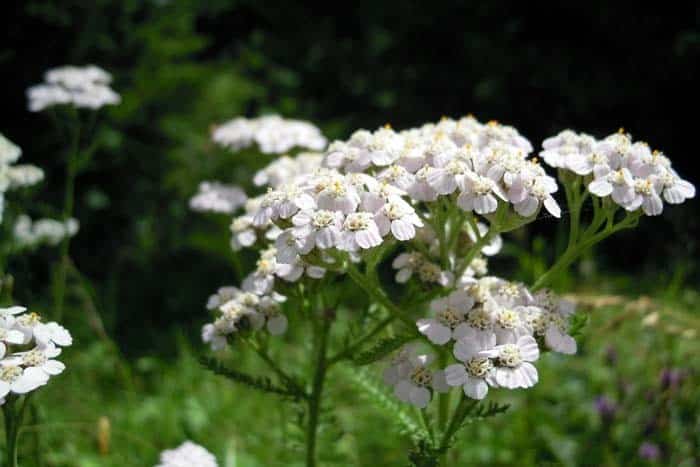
(646, 197)
(480, 195)
(513, 363)
(359, 232)
(320, 228)
(9, 336)
(476, 371)
(399, 218)
(188, 454)
(18, 380)
(550, 319)
(52, 333)
(412, 379)
(449, 321)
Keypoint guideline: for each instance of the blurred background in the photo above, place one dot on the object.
(183, 66)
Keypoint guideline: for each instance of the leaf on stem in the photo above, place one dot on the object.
(381, 349)
(260, 383)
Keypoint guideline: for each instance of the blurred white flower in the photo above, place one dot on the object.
(217, 197)
(82, 87)
(188, 454)
(32, 234)
(272, 133)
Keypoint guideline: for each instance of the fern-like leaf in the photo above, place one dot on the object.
(381, 349)
(578, 323)
(260, 383)
(375, 392)
(484, 411)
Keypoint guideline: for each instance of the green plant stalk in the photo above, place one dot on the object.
(443, 397)
(355, 346)
(460, 413)
(474, 250)
(68, 207)
(315, 397)
(377, 294)
(575, 250)
(13, 423)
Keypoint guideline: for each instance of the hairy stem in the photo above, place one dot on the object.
(321, 365)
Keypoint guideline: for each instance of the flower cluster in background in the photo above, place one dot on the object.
(630, 173)
(81, 87)
(188, 454)
(28, 349)
(218, 197)
(14, 176)
(31, 234)
(271, 133)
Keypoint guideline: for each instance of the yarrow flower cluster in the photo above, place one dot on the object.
(188, 454)
(477, 164)
(13, 176)
(629, 173)
(243, 310)
(28, 351)
(496, 328)
(31, 234)
(433, 202)
(81, 87)
(218, 197)
(271, 133)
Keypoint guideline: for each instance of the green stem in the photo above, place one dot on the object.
(317, 391)
(474, 250)
(288, 380)
(377, 294)
(443, 397)
(13, 424)
(354, 347)
(463, 409)
(573, 252)
(68, 206)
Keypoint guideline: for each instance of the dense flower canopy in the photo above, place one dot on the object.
(442, 195)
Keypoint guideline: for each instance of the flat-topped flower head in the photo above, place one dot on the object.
(81, 87)
(272, 134)
(218, 197)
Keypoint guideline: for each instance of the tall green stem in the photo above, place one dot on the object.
(13, 423)
(315, 397)
(68, 206)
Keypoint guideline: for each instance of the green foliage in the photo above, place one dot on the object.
(260, 383)
(376, 393)
(485, 410)
(381, 349)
